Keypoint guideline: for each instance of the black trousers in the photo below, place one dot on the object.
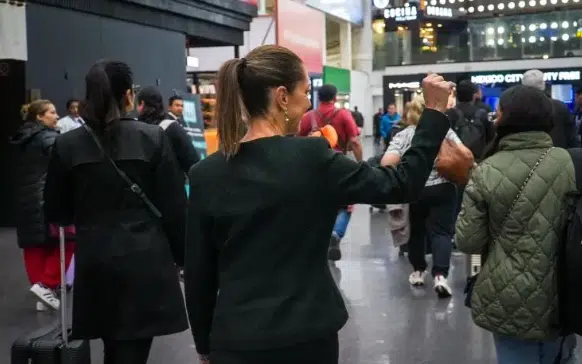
(432, 219)
(127, 351)
(322, 351)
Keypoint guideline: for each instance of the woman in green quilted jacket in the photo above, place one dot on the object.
(513, 213)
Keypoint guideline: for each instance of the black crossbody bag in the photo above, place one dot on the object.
(134, 187)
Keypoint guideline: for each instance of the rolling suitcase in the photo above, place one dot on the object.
(51, 345)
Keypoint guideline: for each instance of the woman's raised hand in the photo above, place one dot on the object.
(436, 92)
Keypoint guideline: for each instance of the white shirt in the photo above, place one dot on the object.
(401, 142)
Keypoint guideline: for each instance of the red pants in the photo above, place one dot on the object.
(43, 264)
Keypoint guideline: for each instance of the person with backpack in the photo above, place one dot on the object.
(513, 212)
(150, 109)
(471, 123)
(358, 118)
(348, 140)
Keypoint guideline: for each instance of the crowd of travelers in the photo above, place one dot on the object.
(267, 211)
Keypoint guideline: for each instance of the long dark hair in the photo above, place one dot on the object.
(523, 108)
(243, 90)
(153, 105)
(106, 84)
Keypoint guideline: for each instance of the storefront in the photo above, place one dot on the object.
(561, 84)
(204, 84)
(340, 78)
(417, 33)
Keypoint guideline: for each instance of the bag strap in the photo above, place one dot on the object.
(134, 187)
(524, 184)
(314, 126)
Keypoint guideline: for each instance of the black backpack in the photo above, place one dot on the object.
(471, 131)
(570, 258)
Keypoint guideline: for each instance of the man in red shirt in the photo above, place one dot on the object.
(348, 140)
(341, 119)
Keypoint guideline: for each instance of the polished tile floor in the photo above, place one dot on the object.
(391, 323)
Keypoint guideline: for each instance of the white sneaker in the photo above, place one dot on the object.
(441, 287)
(40, 307)
(416, 278)
(46, 296)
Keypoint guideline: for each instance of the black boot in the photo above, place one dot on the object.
(334, 253)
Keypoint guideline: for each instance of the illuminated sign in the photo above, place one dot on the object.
(438, 11)
(404, 85)
(401, 14)
(316, 82)
(517, 77)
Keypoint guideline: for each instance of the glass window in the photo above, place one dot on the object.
(547, 35)
(528, 36)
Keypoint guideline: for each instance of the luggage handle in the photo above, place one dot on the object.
(63, 305)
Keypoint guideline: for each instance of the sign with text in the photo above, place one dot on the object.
(509, 78)
(401, 14)
(301, 29)
(432, 11)
(401, 85)
(409, 13)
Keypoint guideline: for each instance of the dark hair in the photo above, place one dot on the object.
(356, 108)
(36, 108)
(523, 108)
(106, 83)
(327, 93)
(70, 102)
(153, 105)
(466, 90)
(579, 91)
(243, 90)
(174, 98)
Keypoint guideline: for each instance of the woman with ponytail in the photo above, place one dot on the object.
(513, 212)
(257, 283)
(130, 238)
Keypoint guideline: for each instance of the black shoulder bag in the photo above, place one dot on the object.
(134, 187)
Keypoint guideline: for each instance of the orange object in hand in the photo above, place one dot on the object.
(328, 132)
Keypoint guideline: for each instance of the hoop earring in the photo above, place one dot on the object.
(286, 116)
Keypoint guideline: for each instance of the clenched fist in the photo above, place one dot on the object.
(436, 92)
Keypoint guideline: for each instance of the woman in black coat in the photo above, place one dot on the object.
(257, 282)
(35, 139)
(127, 289)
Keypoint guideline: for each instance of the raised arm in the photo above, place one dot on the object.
(360, 183)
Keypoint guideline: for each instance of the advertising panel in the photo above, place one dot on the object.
(194, 123)
(301, 29)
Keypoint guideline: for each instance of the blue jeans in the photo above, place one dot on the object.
(516, 351)
(341, 223)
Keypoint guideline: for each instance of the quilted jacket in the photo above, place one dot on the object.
(516, 292)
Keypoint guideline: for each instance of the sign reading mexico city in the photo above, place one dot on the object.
(517, 77)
